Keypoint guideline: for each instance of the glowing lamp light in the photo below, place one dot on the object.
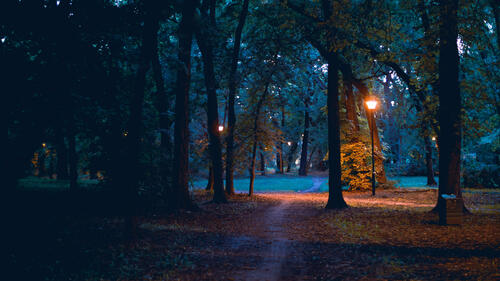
(433, 138)
(221, 128)
(44, 145)
(289, 143)
(372, 104)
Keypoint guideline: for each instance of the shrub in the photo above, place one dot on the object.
(356, 171)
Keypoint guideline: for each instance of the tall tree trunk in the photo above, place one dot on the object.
(252, 166)
(294, 147)
(181, 198)
(262, 164)
(335, 198)
(73, 160)
(279, 160)
(133, 173)
(62, 156)
(210, 184)
(204, 39)
(281, 142)
(428, 162)
(255, 139)
(162, 106)
(233, 87)
(305, 141)
(450, 119)
(350, 103)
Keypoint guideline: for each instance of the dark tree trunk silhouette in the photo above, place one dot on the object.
(350, 103)
(233, 87)
(133, 138)
(335, 198)
(164, 123)
(282, 159)
(205, 43)
(294, 148)
(262, 164)
(279, 160)
(73, 160)
(428, 162)
(255, 139)
(450, 119)
(181, 198)
(62, 155)
(305, 141)
(210, 184)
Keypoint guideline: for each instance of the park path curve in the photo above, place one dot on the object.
(273, 230)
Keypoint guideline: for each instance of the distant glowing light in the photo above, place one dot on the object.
(289, 143)
(372, 104)
(3, 39)
(44, 145)
(221, 128)
(433, 138)
(392, 103)
(125, 133)
(58, 2)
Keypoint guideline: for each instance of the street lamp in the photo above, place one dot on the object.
(221, 128)
(371, 103)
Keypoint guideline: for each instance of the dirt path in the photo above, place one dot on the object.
(316, 185)
(273, 231)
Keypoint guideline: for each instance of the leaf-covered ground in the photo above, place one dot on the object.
(273, 236)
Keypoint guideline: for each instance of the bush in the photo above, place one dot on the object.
(480, 175)
(356, 171)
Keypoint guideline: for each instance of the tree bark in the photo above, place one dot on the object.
(73, 160)
(281, 142)
(450, 119)
(255, 139)
(262, 164)
(428, 162)
(210, 184)
(279, 160)
(133, 138)
(233, 86)
(294, 147)
(62, 156)
(335, 198)
(181, 198)
(205, 43)
(305, 141)
(350, 103)
(162, 107)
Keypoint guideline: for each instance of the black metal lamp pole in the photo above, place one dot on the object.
(373, 153)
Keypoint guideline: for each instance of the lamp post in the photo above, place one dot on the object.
(371, 103)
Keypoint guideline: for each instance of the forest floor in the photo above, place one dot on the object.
(273, 236)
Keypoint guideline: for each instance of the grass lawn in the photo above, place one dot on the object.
(267, 184)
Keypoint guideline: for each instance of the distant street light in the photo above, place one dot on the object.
(434, 138)
(221, 128)
(371, 103)
(44, 145)
(289, 143)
